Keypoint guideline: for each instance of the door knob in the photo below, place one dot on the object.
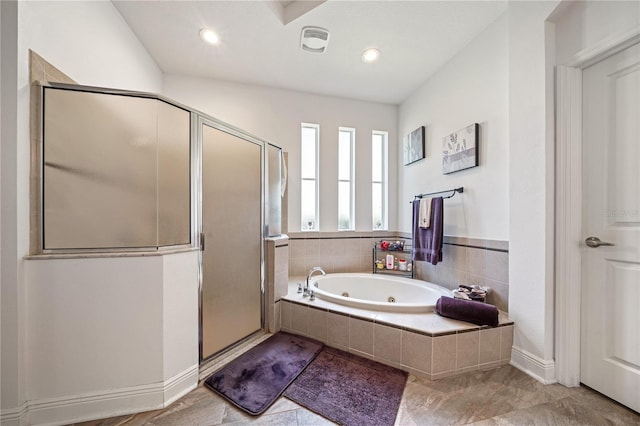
(595, 242)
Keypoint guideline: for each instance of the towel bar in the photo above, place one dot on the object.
(453, 192)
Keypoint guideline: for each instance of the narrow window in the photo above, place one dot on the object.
(346, 142)
(379, 159)
(309, 177)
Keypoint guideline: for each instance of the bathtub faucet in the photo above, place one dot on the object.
(311, 272)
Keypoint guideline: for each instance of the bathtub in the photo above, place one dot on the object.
(378, 292)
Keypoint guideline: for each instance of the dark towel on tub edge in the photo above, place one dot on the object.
(467, 310)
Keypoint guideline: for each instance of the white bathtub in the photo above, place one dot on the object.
(378, 292)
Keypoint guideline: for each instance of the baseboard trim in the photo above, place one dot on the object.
(181, 384)
(13, 416)
(111, 403)
(542, 370)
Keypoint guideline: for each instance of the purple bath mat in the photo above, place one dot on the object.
(349, 390)
(255, 379)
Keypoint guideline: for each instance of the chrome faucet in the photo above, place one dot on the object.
(311, 272)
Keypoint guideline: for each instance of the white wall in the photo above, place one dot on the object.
(581, 24)
(92, 44)
(108, 310)
(116, 328)
(471, 88)
(180, 319)
(12, 295)
(276, 114)
(582, 29)
(541, 35)
(531, 186)
(87, 40)
(109, 334)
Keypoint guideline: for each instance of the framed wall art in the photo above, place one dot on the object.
(460, 149)
(413, 146)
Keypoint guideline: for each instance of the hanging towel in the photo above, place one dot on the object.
(427, 243)
(425, 212)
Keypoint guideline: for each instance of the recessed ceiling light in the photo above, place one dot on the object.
(370, 55)
(209, 36)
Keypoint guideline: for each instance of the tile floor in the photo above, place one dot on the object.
(503, 396)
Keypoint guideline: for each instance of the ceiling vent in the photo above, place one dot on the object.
(314, 39)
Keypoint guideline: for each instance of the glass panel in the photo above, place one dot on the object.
(308, 153)
(344, 154)
(231, 222)
(376, 158)
(378, 179)
(308, 205)
(99, 154)
(376, 197)
(309, 174)
(116, 171)
(173, 175)
(344, 206)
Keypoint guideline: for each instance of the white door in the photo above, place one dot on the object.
(610, 328)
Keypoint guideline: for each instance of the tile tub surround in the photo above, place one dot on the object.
(276, 279)
(424, 344)
(471, 261)
(346, 251)
(464, 260)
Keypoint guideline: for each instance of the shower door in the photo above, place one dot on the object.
(231, 295)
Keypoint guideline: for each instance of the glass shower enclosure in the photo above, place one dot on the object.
(122, 171)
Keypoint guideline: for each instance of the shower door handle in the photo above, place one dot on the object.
(595, 242)
(202, 241)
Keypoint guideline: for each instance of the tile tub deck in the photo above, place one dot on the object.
(424, 344)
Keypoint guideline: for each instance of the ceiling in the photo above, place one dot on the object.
(261, 41)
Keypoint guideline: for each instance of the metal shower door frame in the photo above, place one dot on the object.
(198, 121)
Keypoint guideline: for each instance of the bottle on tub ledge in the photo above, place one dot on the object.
(402, 265)
(389, 264)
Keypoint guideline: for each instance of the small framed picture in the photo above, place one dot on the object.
(460, 149)
(413, 146)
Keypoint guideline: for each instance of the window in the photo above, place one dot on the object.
(346, 142)
(309, 177)
(379, 159)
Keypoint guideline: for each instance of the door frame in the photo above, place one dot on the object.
(568, 200)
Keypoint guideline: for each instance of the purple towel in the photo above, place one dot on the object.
(467, 310)
(427, 243)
